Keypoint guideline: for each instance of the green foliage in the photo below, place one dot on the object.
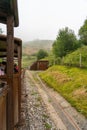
(52, 60)
(48, 126)
(27, 60)
(83, 33)
(32, 47)
(41, 54)
(0, 60)
(71, 83)
(77, 58)
(65, 42)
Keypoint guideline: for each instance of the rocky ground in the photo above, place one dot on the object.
(34, 113)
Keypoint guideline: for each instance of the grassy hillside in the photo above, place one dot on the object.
(32, 47)
(71, 83)
(78, 57)
(28, 60)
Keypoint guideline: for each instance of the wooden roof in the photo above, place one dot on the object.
(3, 46)
(7, 8)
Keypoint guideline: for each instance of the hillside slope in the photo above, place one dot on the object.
(32, 47)
(78, 57)
(71, 83)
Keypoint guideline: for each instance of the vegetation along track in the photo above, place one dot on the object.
(64, 116)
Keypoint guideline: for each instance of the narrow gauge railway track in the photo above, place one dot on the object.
(33, 109)
(25, 124)
(66, 118)
(60, 108)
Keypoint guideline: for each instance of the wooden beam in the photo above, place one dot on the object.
(19, 89)
(10, 68)
(2, 14)
(9, 7)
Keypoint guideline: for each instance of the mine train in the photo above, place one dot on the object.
(10, 80)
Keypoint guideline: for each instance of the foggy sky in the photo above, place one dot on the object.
(42, 19)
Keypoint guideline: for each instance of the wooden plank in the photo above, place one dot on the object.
(3, 94)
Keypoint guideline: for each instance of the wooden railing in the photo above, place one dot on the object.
(4, 102)
(3, 106)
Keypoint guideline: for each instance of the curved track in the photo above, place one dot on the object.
(65, 117)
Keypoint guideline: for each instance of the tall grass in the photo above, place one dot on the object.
(71, 83)
(27, 60)
(78, 57)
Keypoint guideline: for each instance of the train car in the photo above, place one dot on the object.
(40, 65)
(10, 54)
(10, 96)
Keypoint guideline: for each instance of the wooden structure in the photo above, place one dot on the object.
(8, 8)
(40, 65)
(10, 48)
(12, 93)
(3, 100)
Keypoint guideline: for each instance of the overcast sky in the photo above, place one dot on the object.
(42, 19)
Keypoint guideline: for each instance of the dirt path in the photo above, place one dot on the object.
(63, 115)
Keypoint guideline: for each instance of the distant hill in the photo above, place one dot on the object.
(32, 47)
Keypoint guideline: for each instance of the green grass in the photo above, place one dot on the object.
(48, 126)
(27, 60)
(71, 83)
(0, 60)
(74, 57)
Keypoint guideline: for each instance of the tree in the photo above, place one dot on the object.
(83, 33)
(65, 42)
(41, 54)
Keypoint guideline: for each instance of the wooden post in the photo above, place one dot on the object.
(10, 68)
(19, 89)
(80, 60)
